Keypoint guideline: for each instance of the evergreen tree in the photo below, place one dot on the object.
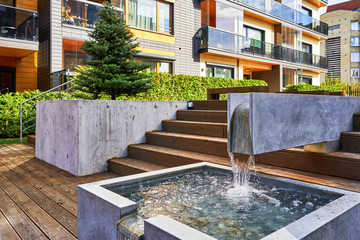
(111, 68)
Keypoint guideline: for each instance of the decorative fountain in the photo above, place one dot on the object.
(200, 201)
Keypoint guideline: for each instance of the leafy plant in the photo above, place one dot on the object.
(112, 69)
(308, 87)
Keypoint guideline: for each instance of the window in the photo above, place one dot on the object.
(7, 80)
(305, 79)
(306, 48)
(334, 27)
(157, 66)
(355, 72)
(306, 11)
(219, 71)
(355, 41)
(289, 76)
(221, 16)
(256, 38)
(355, 25)
(355, 56)
(143, 14)
(73, 56)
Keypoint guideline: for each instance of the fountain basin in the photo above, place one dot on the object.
(100, 209)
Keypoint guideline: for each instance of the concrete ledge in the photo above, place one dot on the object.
(79, 136)
(165, 228)
(282, 121)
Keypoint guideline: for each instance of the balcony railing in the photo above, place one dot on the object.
(18, 23)
(215, 38)
(282, 11)
(82, 13)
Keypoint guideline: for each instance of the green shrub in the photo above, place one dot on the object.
(10, 112)
(307, 87)
(170, 87)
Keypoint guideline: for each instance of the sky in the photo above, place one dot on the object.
(331, 2)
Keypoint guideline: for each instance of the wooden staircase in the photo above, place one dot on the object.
(350, 141)
(200, 135)
(197, 135)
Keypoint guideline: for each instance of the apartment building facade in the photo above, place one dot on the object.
(343, 45)
(18, 45)
(275, 41)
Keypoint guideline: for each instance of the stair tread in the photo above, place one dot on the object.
(351, 133)
(206, 111)
(201, 157)
(190, 136)
(196, 122)
(136, 163)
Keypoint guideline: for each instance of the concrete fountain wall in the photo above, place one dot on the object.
(279, 121)
(79, 136)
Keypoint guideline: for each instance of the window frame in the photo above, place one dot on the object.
(358, 73)
(307, 10)
(358, 56)
(333, 27)
(358, 25)
(214, 65)
(158, 61)
(351, 41)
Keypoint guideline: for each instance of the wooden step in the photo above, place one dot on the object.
(171, 157)
(350, 142)
(128, 166)
(217, 116)
(210, 105)
(197, 128)
(31, 139)
(200, 144)
(356, 122)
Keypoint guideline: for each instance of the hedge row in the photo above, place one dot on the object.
(308, 87)
(10, 112)
(167, 87)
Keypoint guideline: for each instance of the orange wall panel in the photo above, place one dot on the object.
(26, 73)
(27, 4)
(7, 62)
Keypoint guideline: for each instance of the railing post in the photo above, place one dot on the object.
(21, 140)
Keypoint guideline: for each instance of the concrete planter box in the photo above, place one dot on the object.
(100, 210)
(79, 136)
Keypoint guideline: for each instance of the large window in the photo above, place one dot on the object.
(73, 56)
(157, 65)
(355, 25)
(306, 11)
(305, 79)
(355, 56)
(219, 71)
(221, 16)
(143, 14)
(355, 41)
(289, 76)
(256, 38)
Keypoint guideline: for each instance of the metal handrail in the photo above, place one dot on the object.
(57, 96)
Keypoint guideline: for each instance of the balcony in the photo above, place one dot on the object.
(286, 13)
(81, 13)
(217, 39)
(19, 23)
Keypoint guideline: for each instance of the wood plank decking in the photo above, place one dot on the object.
(38, 200)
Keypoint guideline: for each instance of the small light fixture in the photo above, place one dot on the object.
(247, 69)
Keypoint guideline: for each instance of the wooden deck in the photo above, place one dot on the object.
(38, 201)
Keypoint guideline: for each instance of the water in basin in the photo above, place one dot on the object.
(206, 201)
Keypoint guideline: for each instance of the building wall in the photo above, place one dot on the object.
(27, 4)
(219, 60)
(313, 7)
(314, 42)
(273, 78)
(44, 45)
(256, 23)
(342, 17)
(26, 73)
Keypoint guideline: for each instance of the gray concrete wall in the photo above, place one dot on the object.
(80, 136)
(280, 121)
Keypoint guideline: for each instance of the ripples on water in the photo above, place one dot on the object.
(207, 201)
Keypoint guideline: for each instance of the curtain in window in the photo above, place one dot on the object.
(142, 14)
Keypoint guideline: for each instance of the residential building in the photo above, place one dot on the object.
(277, 41)
(18, 45)
(343, 45)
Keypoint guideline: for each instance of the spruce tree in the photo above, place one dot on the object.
(111, 68)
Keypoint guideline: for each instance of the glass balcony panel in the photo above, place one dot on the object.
(18, 23)
(81, 13)
(287, 13)
(210, 37)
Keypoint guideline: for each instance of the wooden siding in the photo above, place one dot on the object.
(26, 73)
(27, 4)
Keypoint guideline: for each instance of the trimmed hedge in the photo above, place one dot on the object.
(10, 112)
(171, 87)
(307, 87)
(166, 87)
